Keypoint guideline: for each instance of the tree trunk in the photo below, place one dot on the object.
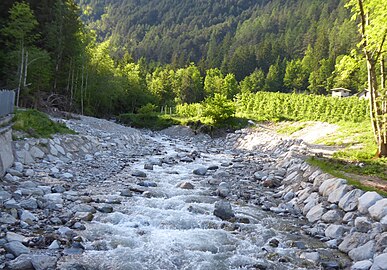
(25, 70)
(382, 149)
(21, 68)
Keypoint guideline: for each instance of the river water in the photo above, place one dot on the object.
(167, 227)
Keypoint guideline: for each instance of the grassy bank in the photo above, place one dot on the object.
(32, 123)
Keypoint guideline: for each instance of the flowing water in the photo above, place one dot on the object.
(172, 228)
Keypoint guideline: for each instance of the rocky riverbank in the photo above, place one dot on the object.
(71, 202)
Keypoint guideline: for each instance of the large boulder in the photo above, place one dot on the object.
(367, 200)
(336, 195)
(363, 252)
(315, 213)
(353, 240)
(379, 209)
(223, 210)
(328, 186)
(350, 200)
(380, 262)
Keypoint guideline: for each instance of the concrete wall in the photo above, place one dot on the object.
(6, 151)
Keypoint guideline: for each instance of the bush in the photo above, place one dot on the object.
(37, 124)
(147, 109)
(218, 108)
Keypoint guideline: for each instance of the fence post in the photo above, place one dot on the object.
(7, 100)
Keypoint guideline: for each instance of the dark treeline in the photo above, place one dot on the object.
(128, 53)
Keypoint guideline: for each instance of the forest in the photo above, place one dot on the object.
(102, 58)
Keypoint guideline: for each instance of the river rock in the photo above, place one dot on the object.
(11, 236)
(186, 185)
(54, 198)
(362, 265)
(223, 210)
(334, 231)
(54, 245)
(148, 166)
(200, 171)
(353, 240)
(310, 256)
(350, 200)
(23, 262)
(4, 195)
(363, 252)
(363, 224)
(379, 209)
(336, 195)
(328, 186)
(223, 190)
(16, 248)
(315, 213)
(367, 200)
(380, 262)
(30, 204)
(147, 184)
(138, 173)
(43, 262)
(6, 218)
(105, 209)
(332, 216)
(28, 217)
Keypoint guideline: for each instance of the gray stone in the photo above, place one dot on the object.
(29, 204)
(367, 200)
(54, 245)
(332, 216)
(310, 256)
(4, 195)
(29, 173)
(380, 262)
(126, 193)
(315, 213)
(36, 152)
(83, 208)
(362, 265)
(6, 151)
(28, 217)
(200, 171)
(334, 231)
(353, 240)
(43, 262)
(11, 236)
(328, 186)
(155, 161)
(16, 248)
(105, 209)
(54, 198)
(350, 200)
(24, 157)
(148, 166)
(6, 218)
(363, 252)
(23, 262)
(67, 175)
(381, 242)
(336, 195)
(138, 173)
(363, 224)
(186, 185)
(223, 190)
(223, 210)
(379, 209)
(289, 196)
(10, 178)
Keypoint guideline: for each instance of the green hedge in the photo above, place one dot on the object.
(280, 106)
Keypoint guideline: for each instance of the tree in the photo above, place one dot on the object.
(213, 82)
(373, 29)
(20, 35)
(295, 77)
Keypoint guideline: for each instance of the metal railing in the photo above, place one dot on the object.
(7, 101)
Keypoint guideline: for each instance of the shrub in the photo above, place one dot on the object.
(218, 108)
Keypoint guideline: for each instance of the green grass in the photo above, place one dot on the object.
(153, 121)
(289, 129)
(339, 168)
(157, 121)
(37, 124)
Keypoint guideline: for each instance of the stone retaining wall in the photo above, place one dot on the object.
(341, 215)
(6, 152)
